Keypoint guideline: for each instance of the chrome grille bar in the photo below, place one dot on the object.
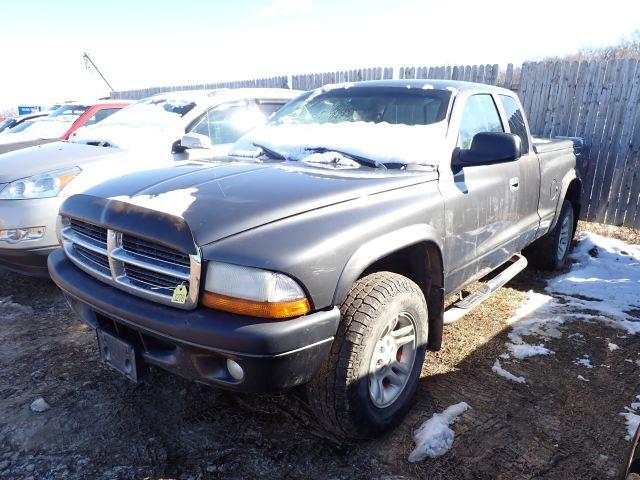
(136, 271)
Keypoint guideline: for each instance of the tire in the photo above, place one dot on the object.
(546, 253)
(342, 393)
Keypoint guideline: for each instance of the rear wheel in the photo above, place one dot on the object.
(366, 384)
(551, 251)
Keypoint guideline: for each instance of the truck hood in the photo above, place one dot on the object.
(51, 156)
(217, 201)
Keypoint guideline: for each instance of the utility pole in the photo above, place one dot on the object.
(87, 61)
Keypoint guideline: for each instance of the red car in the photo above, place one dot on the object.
(94, 114)
(59, 125)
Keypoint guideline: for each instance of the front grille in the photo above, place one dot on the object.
(88, 230)
(153, 280)
(140, 267)
(99, 260)
(153, 250)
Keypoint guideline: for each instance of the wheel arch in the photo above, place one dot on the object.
(572, 191)
(414, 252)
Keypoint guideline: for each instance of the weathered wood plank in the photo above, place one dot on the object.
(620, 185)
(605, 106)
(588, 131)
(611, 137)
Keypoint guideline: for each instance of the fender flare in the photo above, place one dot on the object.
(568, 179)
(378, 248)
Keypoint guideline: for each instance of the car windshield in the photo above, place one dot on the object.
(68, 112)
(21, 127)
(6, 123)
(354, 125)
(157, 111)
(46, 127)
(393, 105)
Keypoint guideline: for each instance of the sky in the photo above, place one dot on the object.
(140, 43)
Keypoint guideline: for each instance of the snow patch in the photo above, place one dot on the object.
(498, 370)
(434, 437)
(585, 361)
(174, 202)
(526, 350)
(604, 278)
(383, 142)
(10, 310)
(39, 405)
(580, 377)
(613, 347)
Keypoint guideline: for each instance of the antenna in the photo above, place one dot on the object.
(88, 62)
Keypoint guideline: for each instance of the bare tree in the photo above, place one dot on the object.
(628, 47)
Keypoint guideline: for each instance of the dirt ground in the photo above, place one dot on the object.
(99, 425)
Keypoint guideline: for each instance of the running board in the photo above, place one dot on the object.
(462, 307)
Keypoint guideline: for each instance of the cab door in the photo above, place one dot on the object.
(481, 201)
(528, 217)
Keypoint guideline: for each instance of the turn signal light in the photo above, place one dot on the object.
(251, 308)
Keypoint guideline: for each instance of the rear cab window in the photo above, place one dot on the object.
(515, 118)
(480, 115)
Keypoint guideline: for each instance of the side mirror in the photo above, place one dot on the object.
(195, 140)
(488, 148)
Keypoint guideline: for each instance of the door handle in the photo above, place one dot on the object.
(514, 184)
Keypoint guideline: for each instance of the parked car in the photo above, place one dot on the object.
(11, 122)
(59, 125)
(34, 181)
(322, 250)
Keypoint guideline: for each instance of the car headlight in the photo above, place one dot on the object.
(253, 292)
(44, 185)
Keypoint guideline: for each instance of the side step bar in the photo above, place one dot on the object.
(462, 307)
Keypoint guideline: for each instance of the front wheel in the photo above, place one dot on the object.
(366, 384)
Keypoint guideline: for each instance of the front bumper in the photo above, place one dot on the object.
(29, 257)
(195, 344)
(31, 261)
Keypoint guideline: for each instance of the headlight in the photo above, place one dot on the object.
(39, 186)
(253, 292)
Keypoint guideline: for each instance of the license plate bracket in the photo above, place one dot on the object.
(118, 354)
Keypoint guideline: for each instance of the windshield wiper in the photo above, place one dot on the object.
(367, 162)
(270, 152)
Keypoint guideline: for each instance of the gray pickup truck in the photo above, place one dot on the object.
(321, 252)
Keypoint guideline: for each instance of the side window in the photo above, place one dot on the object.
(516, 120)
(227, 123)
(100, 115)
(269, 107)
(480, 115)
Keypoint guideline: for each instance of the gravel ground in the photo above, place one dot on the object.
(98, 425)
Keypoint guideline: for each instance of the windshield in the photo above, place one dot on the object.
(46, 127)
(349, 126)
(393, 105)
(21, 127)
(68, 112)
(6, 123)
(152, 111)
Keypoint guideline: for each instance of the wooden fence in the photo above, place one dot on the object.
(315, 80)
(272, 82)
(598, 101)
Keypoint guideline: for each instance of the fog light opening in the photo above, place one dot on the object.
(16, 235)
(235, 370)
